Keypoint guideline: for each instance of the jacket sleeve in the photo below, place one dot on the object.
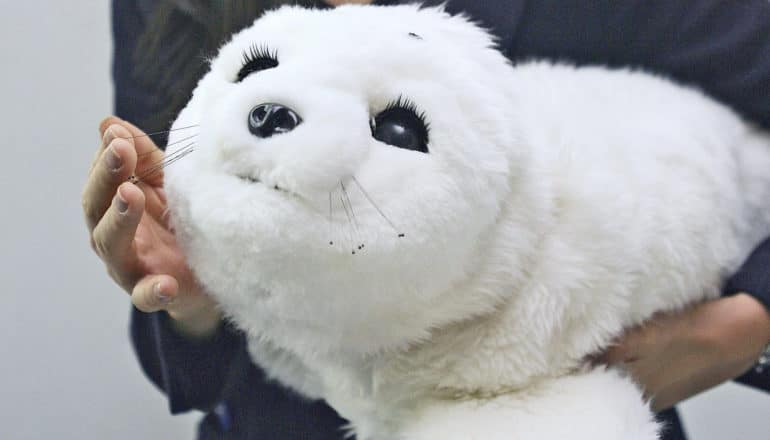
(132, 101)
(192, 373)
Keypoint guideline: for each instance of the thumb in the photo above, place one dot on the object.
(155, 292)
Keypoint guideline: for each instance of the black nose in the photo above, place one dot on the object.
(268, 119)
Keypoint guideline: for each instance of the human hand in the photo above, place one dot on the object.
(676, 356)
(129, 231)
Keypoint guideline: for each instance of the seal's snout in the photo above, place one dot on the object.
(268, 119)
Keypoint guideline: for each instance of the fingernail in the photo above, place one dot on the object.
(161, 297)
(112, 159)
(121, 204)
(108, 136)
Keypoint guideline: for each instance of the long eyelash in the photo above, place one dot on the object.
(255, 59)
(257, 52)
(405, 103)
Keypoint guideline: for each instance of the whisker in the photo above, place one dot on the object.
(352, 214)
(176, 154)
(331, 233)
(169, 145)
(352, 238)
(157, 168)
(382, 214)
(182, 152)
(161, 132)
(168, 160)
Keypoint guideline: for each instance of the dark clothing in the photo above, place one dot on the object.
(722, 47)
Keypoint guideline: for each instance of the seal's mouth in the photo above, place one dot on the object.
(249, 179)
(255, 180)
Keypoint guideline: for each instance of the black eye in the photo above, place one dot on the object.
(256, 59)
(402, 126)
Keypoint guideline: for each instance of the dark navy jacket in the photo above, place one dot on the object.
(722, 47)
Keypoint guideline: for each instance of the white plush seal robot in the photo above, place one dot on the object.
(433, 240)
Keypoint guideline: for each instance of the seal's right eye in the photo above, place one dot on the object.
(256, 59)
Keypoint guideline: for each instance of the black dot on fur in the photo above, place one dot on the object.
(413, 35)
(401, 235)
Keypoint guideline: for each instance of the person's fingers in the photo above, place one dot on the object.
(106, 122)
(145, 145)
(623, 351)
(108, 134)
(155, 292)
(105, 136)
(630, 346)
(147, 152)
(116, 163)
(155, 203)
(616, 354)
(114, 234)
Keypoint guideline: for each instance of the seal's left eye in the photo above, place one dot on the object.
(257, 59)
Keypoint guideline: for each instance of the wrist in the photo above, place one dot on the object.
(201, 322)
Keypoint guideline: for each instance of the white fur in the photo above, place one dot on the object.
(596, 404)
(557, 206)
